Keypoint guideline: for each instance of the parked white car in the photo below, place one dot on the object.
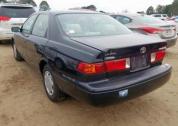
(161, 16)
(12, 15)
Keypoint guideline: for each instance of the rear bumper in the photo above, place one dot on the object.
(171, 42)
(6, 36)
(117, 89)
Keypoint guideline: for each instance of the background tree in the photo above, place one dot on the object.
(90, 7)
(44, 6)
(171, 9)
(168, 10)
(175, 1)
(3, 1)
(150, 10)
(174, 7)
(160, 9)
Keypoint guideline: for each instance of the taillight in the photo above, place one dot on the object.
(87, 68)
(152, 30)
(107, 66)
(157, 56)
(4, 18)
(117, 65)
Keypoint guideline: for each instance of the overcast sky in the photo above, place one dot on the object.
(107, 5)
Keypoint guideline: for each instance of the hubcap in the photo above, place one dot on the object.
(49, 83)
(15, 50)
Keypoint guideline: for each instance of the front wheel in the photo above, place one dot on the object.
(16, 53)
(52, 90)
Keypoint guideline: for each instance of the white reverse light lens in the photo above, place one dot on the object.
(153, 57)
(127, 63)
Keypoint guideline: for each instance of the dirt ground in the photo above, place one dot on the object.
(24, 103)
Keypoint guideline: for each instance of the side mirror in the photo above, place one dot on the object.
(15, 29)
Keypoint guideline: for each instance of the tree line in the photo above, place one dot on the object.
(171, 9)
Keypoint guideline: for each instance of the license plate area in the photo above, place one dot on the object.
(139, 62)
(169, 33)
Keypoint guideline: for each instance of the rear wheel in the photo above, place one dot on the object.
(16, 53)
(51, 88)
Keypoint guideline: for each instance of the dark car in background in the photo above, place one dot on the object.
(90, 56)
(149, 25)
(12, 15)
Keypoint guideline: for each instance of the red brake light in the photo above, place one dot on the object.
(117, 65)
(87, 68)
(108, 66)
(4, 18)
(158, 56)
(152, 30)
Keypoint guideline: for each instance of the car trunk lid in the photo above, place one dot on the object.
(105, 43)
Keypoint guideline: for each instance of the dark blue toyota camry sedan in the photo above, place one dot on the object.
(90, 56)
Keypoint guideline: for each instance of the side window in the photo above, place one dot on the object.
(41, 26)
(27, 27)
(123, 19)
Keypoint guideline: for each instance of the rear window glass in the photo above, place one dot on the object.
(157, 15)
(16, 12)
(123, 19)
(85, 25)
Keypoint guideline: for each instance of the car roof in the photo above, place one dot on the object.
(130, 15)
(14, 5)
(159, 14)
(53, 12)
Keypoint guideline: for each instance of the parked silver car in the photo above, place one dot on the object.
(150, 26)
(175, 20)
(161, 16)
(12, 15)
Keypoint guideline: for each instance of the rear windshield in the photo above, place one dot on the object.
(16, 12)
(165, 15)
(148, 20)
(84, 25)
(157, 15)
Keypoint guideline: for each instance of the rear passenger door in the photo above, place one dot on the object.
(22, 36)
(37, 40)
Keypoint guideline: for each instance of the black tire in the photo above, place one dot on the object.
(57, 95)
(16, 53)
